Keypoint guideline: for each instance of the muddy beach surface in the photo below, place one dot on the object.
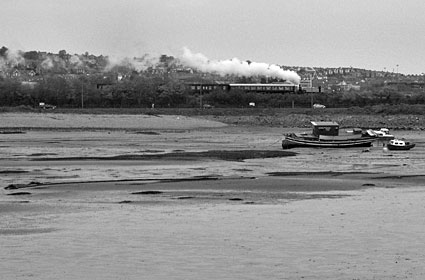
(173, 197)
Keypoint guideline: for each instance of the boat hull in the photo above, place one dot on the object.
(400, 148)
(295, 142)
(385, 138)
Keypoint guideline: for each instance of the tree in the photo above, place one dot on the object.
(144, 90)
(3, 51)
(9, 93)
(62, 54)
(32, 55)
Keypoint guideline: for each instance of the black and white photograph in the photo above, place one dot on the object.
(205, 140)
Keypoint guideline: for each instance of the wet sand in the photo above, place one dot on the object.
(100, 201)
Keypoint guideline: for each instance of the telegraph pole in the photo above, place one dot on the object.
(398, 79)
(200, 97)
(82, 95)
(311, 100)
(423, 86)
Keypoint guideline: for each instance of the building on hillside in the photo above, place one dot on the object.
(310, 86)
(344, 86)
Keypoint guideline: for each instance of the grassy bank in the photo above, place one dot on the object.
(405, 117)
(401, 109)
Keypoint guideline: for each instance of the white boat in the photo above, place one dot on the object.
(400, 145)
(383, 134)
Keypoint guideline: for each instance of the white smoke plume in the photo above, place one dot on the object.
(75, 60)
(12, 58)
(47, 63)
(52, 61)
(138, 64)
(15, 57)
(237, 67)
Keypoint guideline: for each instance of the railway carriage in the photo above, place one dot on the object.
(266, 88)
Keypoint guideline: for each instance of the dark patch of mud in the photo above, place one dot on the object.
(243, 170)
(256, 197)
(318, 173)
(408, 179)
(235, 155)
(185, 197)
(325, 196)
(133, 182)
(42, 154)
(19, 193)
(145, 132)
(401, 176)
(13, 171)
(152, 151)
(12, 132)
(235, 199)
(21, 186)
(23, 231)
(147, 192)
(125, 202)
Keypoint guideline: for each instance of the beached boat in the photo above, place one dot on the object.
(400, 145)
(327, 135)
(382, 134)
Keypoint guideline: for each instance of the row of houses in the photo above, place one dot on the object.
(34, 73)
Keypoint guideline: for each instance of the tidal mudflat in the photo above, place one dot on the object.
(181, 198)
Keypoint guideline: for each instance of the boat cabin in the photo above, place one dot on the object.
(397, 142)
(325, 128)
(385, 130)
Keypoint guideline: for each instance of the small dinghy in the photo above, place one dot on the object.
(399, 145)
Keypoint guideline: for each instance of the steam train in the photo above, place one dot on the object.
(266, 88)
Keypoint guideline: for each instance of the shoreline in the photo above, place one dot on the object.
(90, 121)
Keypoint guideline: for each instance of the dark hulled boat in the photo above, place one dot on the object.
(327, 135)
(400, 145)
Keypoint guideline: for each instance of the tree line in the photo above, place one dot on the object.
(58, 82)
(144, 90)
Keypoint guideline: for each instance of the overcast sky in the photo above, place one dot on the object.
(371, 34)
